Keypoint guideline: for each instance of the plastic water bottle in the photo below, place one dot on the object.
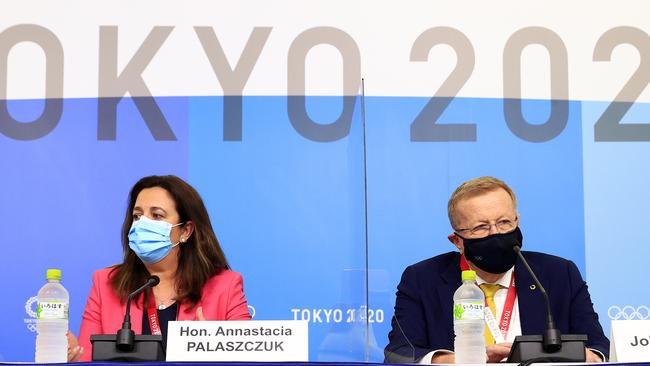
(469, 344)
(52, 320)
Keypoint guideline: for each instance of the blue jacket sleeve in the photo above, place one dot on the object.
(583, 319)
(409, 337)
(408, 333)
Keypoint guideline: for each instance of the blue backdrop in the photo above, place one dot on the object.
(289, 212)
(318, 213)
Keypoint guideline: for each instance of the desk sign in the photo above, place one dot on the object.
(240, 340)
(630, 341)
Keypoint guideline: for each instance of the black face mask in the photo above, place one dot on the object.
(493, 253)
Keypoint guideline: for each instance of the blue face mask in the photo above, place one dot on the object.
(149, 239)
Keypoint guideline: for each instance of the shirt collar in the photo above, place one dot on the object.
(504, 281)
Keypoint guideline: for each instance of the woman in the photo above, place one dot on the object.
(167, 233)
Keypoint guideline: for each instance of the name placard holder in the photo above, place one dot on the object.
(630, 341)
(241, 340)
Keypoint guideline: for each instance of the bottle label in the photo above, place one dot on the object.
(468, 310)
(52, 310)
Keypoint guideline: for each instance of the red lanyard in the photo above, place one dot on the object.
(509, 305)
(506, 316)
(152, 314)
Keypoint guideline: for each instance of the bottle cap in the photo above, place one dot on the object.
(468, 275)
(53, 274)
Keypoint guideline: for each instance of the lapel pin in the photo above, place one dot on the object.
(532, 287)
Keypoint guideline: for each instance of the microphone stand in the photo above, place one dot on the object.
(552, 336)
(125, 345)
(552, 346)
(125, 336)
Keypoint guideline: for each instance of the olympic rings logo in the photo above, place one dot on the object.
(29, 305)
(628, 312)
(29, 309)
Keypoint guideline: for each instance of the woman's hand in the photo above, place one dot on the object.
(199, 313)
(74, 349)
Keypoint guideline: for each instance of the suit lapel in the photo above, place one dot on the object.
(532, 312)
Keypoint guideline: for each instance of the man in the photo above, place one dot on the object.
(483, 214)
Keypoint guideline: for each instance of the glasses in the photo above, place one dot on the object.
(502, 226)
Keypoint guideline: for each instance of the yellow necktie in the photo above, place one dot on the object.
(489, 291)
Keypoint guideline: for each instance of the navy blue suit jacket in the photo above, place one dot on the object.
(425, 301)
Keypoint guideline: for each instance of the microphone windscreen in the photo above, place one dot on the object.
(154, 280)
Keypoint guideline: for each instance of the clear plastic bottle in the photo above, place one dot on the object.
(52, 320)
(469, 344)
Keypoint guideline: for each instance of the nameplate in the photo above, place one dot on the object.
(630, 341)
(240, 340)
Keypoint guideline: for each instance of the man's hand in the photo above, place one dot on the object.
(443, 357)
(497, 352)
(591, 356)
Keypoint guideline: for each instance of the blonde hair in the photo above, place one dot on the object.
(473, 188)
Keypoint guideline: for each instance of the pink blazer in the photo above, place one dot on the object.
(222, 298)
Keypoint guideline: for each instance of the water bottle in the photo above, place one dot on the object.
(469, 343)
(52, 320)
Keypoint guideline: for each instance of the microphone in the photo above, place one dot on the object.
(552, 338)
(552, 346)
(125, 336)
